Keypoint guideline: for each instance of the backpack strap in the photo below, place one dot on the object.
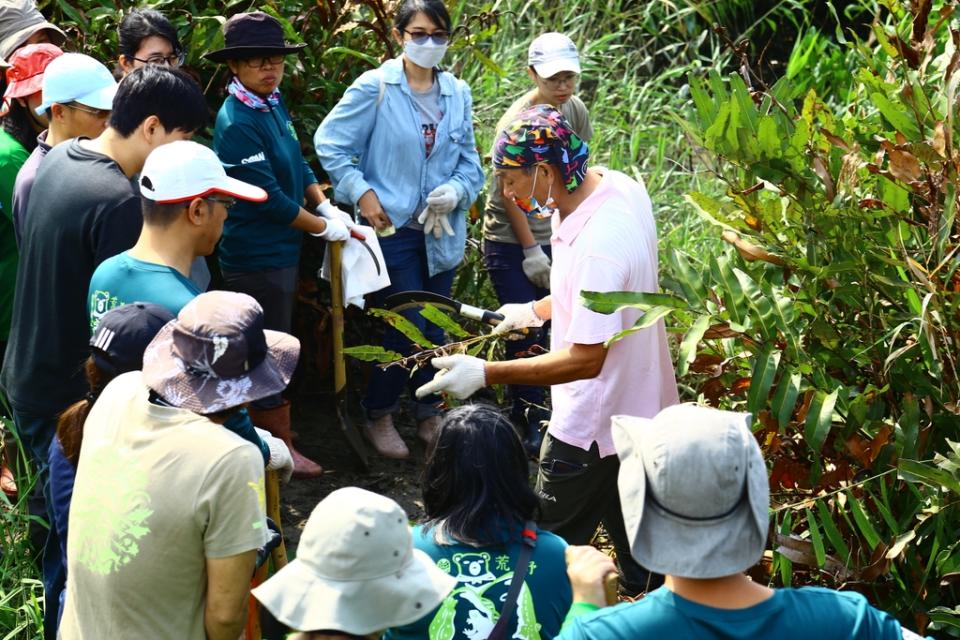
(529, 538)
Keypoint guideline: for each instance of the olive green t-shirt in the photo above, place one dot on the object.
(496, 224)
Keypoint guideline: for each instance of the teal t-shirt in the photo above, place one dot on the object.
(483, 579)
(123, 279)
(791, 614)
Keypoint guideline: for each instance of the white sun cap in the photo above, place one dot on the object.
(184, 170)
(551, 53)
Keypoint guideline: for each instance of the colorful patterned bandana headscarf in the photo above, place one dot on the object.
(540, 135)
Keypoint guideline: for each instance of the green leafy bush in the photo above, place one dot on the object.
(833, 315)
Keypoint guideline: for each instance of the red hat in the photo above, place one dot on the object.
(25, 75)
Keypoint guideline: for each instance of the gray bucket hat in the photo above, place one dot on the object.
(216, 355)
(20, 19)
(356, 570)
(694, 491)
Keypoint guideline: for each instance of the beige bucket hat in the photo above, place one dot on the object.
(356, 570)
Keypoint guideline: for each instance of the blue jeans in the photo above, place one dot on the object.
(405, 254)
(36, 433)
(505, 266)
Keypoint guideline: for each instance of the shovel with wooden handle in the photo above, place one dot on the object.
(253, 629)
(279, 553)
(350, 432)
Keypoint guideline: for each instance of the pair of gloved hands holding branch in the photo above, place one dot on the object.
(440, 203)
(462, 375)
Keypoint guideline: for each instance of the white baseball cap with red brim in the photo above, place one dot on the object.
(183, 170)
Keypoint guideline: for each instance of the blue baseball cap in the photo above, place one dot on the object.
(75, 77)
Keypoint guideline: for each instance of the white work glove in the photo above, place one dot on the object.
(280, 458)
(434, 222)
(459, 375)
(536, 266)
(517, 316)
(336, 231)
(443, 199)
(329, 211)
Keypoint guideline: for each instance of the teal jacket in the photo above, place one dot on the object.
(261, 147)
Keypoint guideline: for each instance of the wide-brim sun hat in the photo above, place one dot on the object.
(356, 570)
(20, 19)
(28, 66)
(216, 355)
(247, 35)
(76, 77)
(693, 490)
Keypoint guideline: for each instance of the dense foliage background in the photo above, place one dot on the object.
(803, 161)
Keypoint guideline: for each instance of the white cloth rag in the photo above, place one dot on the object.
(358, 270)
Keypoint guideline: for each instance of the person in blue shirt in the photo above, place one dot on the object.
(257, 143)
(399, 147)
(695, 498)
(478, 505)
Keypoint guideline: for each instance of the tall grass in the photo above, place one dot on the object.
(636, 59)
(21, 592)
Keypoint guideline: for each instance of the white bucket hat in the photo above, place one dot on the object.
(694, 491)
(356, 570)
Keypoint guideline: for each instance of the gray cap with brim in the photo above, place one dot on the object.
(694, 491)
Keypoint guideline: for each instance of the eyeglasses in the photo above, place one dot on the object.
(226, 202)
(174, 60)
(99, 114)
(421, 37)
(256, 63)
(555, 81)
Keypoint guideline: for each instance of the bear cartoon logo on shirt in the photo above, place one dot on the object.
(473, 607)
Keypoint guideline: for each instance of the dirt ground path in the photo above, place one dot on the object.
(319, 437)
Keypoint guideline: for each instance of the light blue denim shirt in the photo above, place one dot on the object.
(373, 139)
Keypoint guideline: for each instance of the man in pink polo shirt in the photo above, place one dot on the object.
(604, 239)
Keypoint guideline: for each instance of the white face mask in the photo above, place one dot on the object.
(427, 55)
